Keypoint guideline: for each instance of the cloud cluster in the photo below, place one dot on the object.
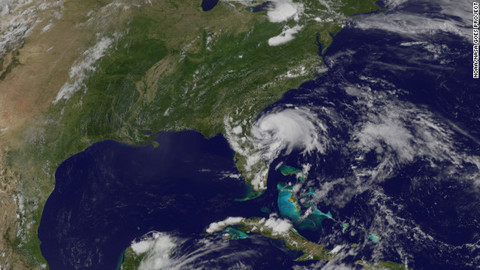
(273, 134)
(456, 19)
(283, 10)
(289, 129)
(217, 226)
(278, 225)
(19, 18)
(287, 34)
(82, 68)
(400, 133)
(156, 247)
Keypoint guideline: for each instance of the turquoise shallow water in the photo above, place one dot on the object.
(236, 234)
(285, 206)
(375, 239)
(289, 207)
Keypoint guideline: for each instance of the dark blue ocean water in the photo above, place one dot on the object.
(443, 206)
(111, 193)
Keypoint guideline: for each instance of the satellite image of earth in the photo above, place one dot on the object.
(239, 134)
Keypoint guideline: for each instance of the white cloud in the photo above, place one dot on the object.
(408, 132)
(280, 10)
(157, 247)
(336, 249)
(47, 27)
(393, 133)
(218, 226)
(288, 129)
(420, 24)
(82, 68)
(19, 18)
(400, 133)
(237, 130)
(287, 35)
(284, 10)
(194, 257)
(278, 225)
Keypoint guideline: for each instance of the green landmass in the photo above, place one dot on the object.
(382, 265)
(131, 260)
(294, 241)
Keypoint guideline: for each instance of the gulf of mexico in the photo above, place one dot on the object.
(111, 193)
